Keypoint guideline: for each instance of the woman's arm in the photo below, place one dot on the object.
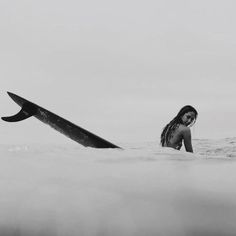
(187, 139)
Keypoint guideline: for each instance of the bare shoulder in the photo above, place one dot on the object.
(184, 130)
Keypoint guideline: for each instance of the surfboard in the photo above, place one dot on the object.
(74, 132)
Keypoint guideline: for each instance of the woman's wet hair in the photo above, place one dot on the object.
(171, 126)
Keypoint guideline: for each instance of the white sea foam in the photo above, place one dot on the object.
(68, 190)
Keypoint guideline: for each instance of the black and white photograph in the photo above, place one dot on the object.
(117, 118)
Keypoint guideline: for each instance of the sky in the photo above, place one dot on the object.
(121, 69)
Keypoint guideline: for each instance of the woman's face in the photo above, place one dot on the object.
(188, 118)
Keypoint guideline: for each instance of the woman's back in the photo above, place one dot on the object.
(175, 141)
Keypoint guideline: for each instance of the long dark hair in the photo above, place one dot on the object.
(170, 127)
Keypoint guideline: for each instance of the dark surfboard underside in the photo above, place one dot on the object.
(58, 123)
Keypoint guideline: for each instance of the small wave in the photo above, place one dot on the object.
(146, 150)
(216, 147)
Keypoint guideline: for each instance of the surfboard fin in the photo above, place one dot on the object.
(27, 110)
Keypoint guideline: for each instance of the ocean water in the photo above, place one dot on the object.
(142, 190)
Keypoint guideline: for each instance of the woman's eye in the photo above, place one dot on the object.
(190, 117)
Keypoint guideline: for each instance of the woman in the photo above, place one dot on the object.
(178, 129)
